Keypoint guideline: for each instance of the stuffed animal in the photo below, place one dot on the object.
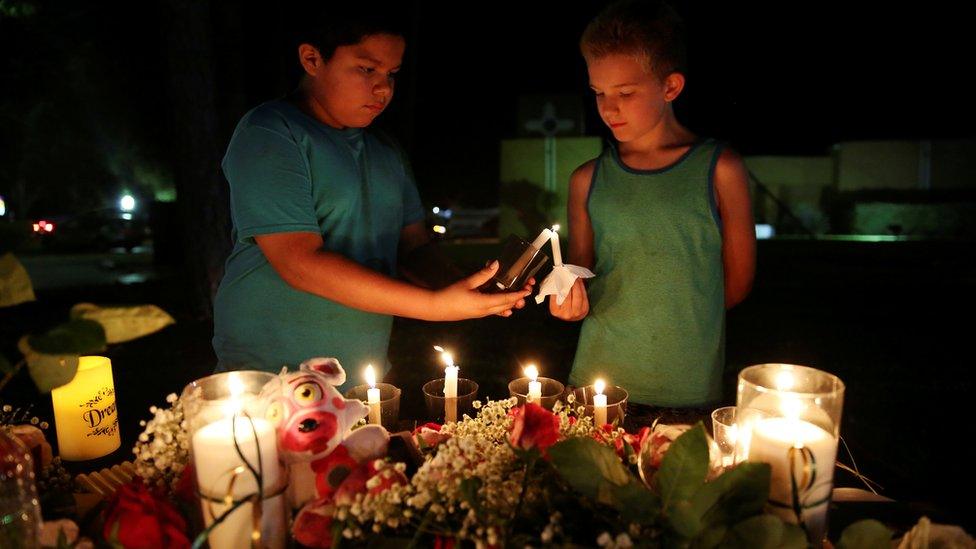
(315, 429)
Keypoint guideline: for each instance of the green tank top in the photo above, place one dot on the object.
(657, 305)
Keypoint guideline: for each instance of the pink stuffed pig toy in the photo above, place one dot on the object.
(315, 427)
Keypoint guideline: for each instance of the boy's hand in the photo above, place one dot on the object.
(462, 300)
(576, 305)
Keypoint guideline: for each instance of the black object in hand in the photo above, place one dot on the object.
(519, 261)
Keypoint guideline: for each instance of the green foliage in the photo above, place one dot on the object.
(684, 468)
(765, 532)
(864, 534)
(51, 371)
(78, 336)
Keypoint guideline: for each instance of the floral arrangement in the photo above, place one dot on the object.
(163, 448)
(510, 476)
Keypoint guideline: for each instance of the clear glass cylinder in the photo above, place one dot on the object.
(225, 415)
(789, 417)
(20, 511)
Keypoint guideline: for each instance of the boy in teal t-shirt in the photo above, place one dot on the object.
(663, 217)
(326, 213)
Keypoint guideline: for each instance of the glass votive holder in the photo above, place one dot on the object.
(725, 434)
(552, 391)
(226, 425)
(389, 403)
(616, 401)
(789, 417)
(467, 391)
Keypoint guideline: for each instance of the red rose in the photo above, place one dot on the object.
(533, 427)
(137, 518)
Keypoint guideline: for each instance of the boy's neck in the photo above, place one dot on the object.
(304, 98)
(661, 139)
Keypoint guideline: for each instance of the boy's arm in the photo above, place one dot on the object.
(300, 261)
(422, 261)
(577, 305)
(580, 229)
(738, 226)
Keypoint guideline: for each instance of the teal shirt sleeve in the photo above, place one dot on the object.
(270, 187)
(413, 208)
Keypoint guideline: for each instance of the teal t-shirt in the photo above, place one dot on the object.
(290, 173)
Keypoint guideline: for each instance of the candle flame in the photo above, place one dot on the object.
(599, 385)
(370, 376)
(447, 357)
(531, 372)
(555, 228)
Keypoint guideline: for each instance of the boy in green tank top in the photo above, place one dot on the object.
(662, 217)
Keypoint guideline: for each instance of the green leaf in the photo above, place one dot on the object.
(864, 534)
(734, 496)
(765, 532)
(77, 337)
(51, 371)
(591, 468)
(636, 503)
(469, 492)
(684, 520)
(684, 467)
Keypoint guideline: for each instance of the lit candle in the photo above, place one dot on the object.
(372, 396)
(540, 240)
(450, 385)
(84, 412)
(800, 454)
(221, 475)
(535, 386)
(557, 255)
(599, 403)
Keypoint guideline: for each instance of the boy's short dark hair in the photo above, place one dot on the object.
(347, 23)
(650, 29)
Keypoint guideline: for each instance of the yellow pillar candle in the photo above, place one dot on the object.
(84, 412)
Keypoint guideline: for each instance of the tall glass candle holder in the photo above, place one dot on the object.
(235, 453)
(789, 417)
(85, 415)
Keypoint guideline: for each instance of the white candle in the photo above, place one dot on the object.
(450, 385)
(541, 239)
(557, 255)
(813, 451)
(216, 461)
(372, 396)
(535, 387)
(599, 404)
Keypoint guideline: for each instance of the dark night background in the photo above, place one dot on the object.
(96, 97)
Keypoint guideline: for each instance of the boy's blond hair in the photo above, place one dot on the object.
(649, 29)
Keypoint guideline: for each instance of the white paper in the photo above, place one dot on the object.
(560, 281)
